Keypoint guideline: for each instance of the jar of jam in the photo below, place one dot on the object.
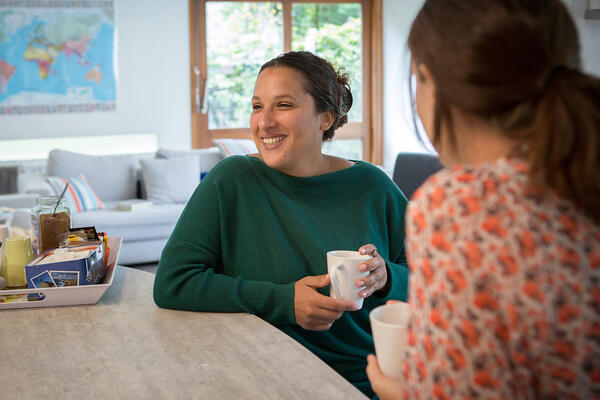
(50, 222)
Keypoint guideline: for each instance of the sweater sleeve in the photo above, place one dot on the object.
(189, 274)
(397, 266)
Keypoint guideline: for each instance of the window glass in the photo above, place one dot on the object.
(241, 36)
(350, 149)
(334, 32)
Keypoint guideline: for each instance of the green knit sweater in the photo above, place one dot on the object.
(249, 232)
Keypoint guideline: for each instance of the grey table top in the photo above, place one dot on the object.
(125, 347)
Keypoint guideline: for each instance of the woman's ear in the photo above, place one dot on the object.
(327, 119)
(426, 81)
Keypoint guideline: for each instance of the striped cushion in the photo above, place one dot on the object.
(230, 147)
(79, 196)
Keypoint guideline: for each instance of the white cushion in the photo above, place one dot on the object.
(171, 180)
(112, 177)
(79, 194)
(207, 158)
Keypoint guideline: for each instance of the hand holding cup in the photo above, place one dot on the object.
(377, 277)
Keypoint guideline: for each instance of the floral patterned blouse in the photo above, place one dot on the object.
(504, 287)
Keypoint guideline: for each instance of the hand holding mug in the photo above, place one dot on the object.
(314, 311)
(377, 278)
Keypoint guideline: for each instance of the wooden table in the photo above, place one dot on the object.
(125, 347)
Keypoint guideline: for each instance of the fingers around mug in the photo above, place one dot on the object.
(372, 264)
(377, 271)
(373, 282)
(368, 249)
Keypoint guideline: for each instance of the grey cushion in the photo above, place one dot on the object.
(172, 180)
(207, 158)
(412, 169)
(113, 177)
(8, 179)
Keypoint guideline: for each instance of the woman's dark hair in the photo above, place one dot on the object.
(515, 64)
(329, 88)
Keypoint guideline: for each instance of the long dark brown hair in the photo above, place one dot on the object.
(515, 64)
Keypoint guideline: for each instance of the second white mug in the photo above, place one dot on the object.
(342, 266)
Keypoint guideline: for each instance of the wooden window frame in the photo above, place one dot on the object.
(370, 130)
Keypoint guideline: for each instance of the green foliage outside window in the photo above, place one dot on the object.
(241, 36)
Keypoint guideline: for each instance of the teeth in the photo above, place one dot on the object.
(273, 140)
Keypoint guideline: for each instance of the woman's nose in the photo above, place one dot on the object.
(267, 119)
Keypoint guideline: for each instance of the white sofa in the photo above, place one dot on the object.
(116, 178)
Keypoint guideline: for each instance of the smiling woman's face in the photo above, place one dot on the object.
(285, 124)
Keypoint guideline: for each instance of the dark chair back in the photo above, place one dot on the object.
(412, 169)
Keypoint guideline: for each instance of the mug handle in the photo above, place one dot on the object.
(336, 280)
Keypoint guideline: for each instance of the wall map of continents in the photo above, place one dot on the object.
(57, 56)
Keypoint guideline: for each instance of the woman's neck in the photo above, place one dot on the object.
(477, 142)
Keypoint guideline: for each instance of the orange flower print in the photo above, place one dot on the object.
(485, 379)
(490, 186)
(494, 226)
(428, 347)
(438, 240)
(438, 392)
(502, 333)
(466, 177)
(470, 333)
(569, 257)
(456, 357)
(528, 243)
(457, 279)
(485, 301)
(563, 374)
(595, 260)
(509, 263)
(568, 312)
(427, 271)
(471, 204)
(564, 349)
(436, 318)
(437, 197)
(568, 224)
(473, 254)
(419, 220)
(532, 290)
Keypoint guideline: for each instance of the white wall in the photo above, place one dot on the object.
(397, 18)
(589, 36)
(398, 129)
(152, 83)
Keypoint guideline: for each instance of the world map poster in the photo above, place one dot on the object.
(57, 56)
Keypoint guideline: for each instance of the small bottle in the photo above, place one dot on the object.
(49, 223)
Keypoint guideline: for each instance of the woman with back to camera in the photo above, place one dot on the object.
(504, 244)
(254, 236)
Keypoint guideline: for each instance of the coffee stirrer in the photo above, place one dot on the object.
(60, 197)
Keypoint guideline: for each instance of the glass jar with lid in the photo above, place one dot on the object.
(49, 223)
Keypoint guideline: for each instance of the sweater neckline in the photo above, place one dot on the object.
(324, 178)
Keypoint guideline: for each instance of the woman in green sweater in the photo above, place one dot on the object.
(254, 236)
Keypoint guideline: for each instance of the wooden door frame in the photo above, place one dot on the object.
(370, 129)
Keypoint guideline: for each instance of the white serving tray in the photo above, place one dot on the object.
(71, 295)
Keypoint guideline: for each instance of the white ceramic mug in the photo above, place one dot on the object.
(389, 324)
(342, 266)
